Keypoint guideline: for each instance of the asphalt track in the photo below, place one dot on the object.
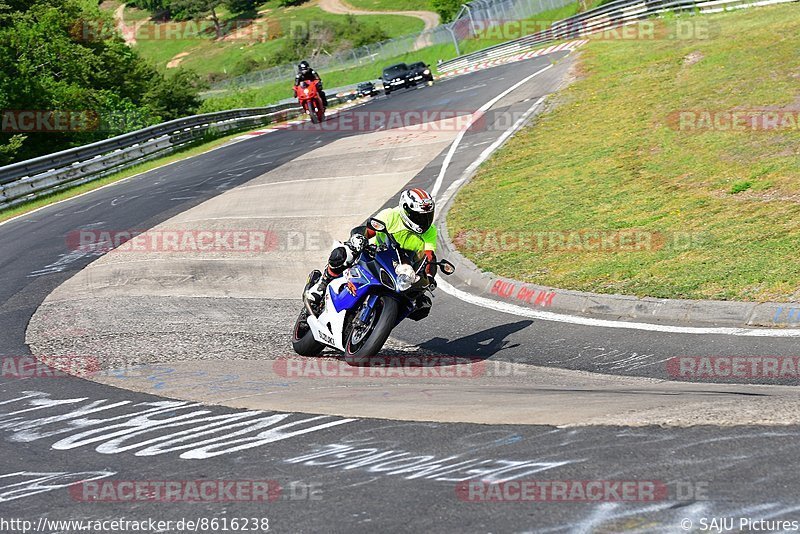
(368, 474)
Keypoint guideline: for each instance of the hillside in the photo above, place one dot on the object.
(265, 36)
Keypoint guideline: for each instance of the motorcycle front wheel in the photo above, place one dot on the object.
(366, 340)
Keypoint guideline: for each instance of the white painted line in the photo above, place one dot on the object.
(449, 157)
(514, 309)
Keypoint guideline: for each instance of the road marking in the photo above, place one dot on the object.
(449, 158)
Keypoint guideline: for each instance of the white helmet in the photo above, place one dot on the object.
(416, 209)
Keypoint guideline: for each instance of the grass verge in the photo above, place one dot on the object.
(719, 206)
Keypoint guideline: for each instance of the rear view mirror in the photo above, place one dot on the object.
(447, 267)
(377, 225)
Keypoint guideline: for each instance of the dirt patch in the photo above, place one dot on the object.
(692, 58)
(176, 61)
(575, 72)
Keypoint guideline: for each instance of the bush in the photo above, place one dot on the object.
(447, 9)
(175, 96)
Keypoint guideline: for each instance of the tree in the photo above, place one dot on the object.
(154, 6)
(241, 6)
(49, 66)
(175, 96)
(447, 9)
(10, 149)
(197, 9)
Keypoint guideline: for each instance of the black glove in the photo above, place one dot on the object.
(357, 242)
(431, 268)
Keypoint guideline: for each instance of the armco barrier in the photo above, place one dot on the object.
(612, 15)
(44, 175)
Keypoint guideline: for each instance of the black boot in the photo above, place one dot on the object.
(316, 293)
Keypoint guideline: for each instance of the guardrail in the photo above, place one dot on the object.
(611, 15)
(28, 180)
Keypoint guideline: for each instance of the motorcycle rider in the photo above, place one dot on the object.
(411, 225)
(306, 74)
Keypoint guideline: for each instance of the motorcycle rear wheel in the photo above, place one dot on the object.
(379, 326)
(303, 341)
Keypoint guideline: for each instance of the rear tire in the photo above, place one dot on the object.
(303, 341)
(385, 315)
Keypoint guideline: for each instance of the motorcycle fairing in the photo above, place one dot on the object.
(346, 292)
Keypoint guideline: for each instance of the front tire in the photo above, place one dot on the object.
(303, 341)
(362, 344)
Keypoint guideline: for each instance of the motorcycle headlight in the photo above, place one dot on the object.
(305, 91)
(426, 71)
(405, 277)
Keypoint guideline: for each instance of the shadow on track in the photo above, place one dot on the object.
(483, 344)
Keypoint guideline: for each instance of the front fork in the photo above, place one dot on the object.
(366, 310)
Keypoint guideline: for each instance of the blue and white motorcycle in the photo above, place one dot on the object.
(362, 306)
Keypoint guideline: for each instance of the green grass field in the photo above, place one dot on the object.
(227, 58)
(614, 155)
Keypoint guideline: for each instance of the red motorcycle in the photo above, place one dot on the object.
(308, 95)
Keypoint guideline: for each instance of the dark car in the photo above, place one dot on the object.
(419, 73)
(366, 89)
(395, 77)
